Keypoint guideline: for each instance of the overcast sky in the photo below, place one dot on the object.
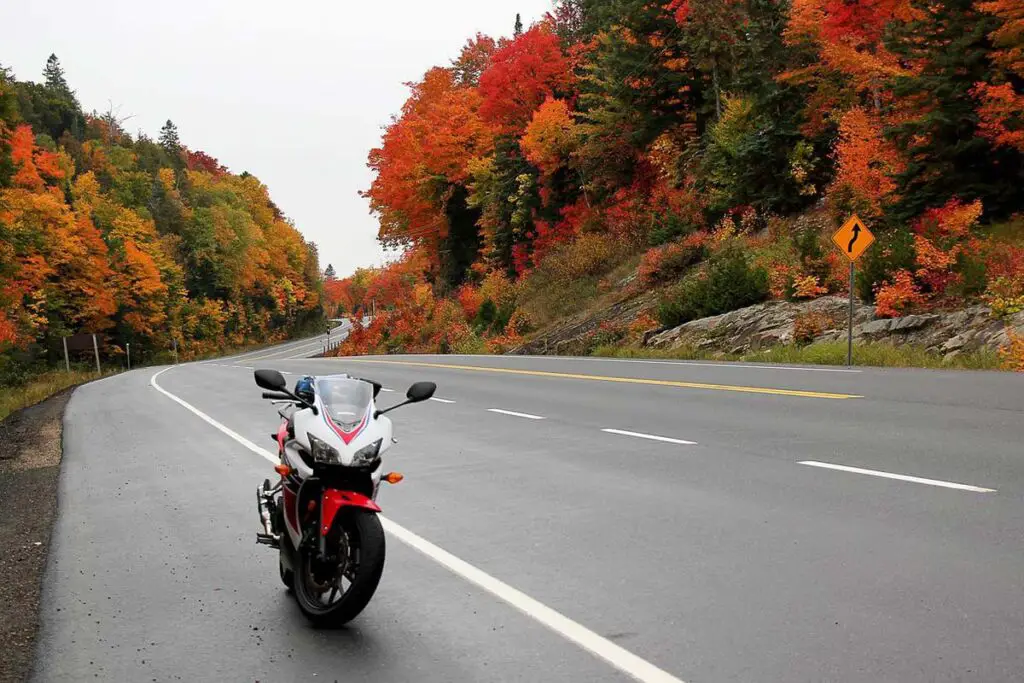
(295, 92)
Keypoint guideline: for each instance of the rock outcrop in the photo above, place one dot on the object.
(773, 323)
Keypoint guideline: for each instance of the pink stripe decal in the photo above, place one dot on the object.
(346, 436)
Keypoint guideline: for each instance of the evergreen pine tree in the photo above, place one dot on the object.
(329, 273)
(54, 75)
(169, 138)
(519, 26)
(947, 156)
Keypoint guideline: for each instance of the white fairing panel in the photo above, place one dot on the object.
(339, 423)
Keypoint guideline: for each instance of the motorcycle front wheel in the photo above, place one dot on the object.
(333, 591)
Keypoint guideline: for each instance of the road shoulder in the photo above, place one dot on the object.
(30, 457)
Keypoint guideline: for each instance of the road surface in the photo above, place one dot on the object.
(561, 520)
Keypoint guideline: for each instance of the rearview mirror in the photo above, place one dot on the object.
(421, 391)
(270, 379)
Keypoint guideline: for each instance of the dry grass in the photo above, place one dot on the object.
(39, 389)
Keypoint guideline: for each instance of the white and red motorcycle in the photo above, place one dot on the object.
(322, 514)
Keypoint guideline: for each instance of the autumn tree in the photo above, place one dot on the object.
(521, 75)
(422, 169)
(867, 165)
(947, 153)
(100, 230)
(473, 60)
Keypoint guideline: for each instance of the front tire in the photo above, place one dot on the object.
(331, 596)
(287, 575)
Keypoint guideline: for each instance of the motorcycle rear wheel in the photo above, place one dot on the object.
(364, 565)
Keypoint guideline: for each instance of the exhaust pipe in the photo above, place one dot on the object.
(264, 499)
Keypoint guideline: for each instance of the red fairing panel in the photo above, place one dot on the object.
(282, 436)
(333, 500)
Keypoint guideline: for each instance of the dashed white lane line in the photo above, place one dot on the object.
(514, 414)
(615, 655)
(900, 477)
(651, 437)
(441, 400)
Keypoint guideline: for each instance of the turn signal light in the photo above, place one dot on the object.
(283, 470)
(393, 477)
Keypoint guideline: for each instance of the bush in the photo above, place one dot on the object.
(588, 255)
(565, 281)
(1011, 356)
(809, 326)
(899, 297)
(1005, 296)
(668, 262)
(893, 252)
(727, 283)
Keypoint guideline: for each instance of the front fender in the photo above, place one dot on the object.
(333, 500)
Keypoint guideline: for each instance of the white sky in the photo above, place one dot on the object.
(295, 92)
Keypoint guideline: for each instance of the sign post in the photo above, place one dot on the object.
(853, 239)
(174, 341)
(96, 350)
(67, 361)
(128, 350)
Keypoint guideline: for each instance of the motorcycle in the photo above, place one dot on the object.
(322, 514)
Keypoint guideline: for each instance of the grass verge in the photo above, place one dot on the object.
(39, 389)
(823, 353)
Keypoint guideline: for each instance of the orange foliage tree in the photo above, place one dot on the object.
(865, 163)
(424, 152)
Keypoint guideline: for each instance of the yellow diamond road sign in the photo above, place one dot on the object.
(853, 239)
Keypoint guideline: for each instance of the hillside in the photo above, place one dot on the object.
(145, 242)
(699, 155)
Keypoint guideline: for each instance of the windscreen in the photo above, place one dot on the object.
(345, 400)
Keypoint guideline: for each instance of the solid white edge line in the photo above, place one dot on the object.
(209, 420)
(620, 658)
(900, 477)
(615, 655)
(442, 400)
(651, 437)
(514, 414)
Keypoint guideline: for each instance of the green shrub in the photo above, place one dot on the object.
(894, 251)
(727, 283)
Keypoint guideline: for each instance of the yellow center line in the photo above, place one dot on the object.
(622, 380)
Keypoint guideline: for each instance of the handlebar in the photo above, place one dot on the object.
(277, 396)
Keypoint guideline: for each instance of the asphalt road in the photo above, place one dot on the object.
(610, 519)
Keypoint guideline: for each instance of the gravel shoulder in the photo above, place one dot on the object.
(30, 455)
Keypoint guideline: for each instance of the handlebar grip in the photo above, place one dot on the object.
(276, 396)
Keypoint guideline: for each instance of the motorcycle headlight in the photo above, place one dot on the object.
(323, 452)
(367, 455)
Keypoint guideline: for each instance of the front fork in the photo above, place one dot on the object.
(266, 504)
